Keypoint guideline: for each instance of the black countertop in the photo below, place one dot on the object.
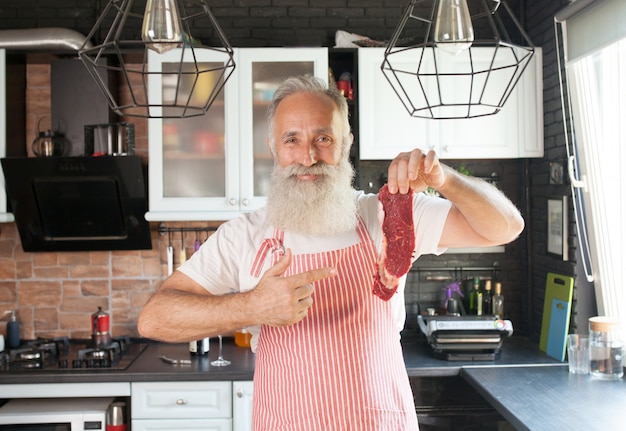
(149, 367)
(550, 398)
(516, 351)
(531, 390)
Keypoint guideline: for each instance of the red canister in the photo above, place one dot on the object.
(100, 329)
(100, 322)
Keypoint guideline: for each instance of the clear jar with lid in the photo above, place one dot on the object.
(606, 348)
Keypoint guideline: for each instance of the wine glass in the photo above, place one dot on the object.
(220, 361)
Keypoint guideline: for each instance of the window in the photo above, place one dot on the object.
(597, 96)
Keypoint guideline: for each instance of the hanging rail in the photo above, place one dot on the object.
(456, 270)
(163, 229)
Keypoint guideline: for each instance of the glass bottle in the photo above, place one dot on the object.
(199, 347)
(498, 301)
(606, 348)
(487, 298)
(475, 298)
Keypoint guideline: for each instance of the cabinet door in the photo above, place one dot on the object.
(242, 406)
(385, 126)
(170, 400)
(261, 71)
(193, 161)
(515, 131)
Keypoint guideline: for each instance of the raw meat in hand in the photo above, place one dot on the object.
(398, 241)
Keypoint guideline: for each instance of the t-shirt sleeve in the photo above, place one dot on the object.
(429, 217)
(214, 265)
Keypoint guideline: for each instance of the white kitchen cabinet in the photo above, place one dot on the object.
(188, 406)
(242, 405)
(5, 216)
(215, 166)
(386, 128)
(181, 406)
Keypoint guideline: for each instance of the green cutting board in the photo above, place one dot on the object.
(556, 315)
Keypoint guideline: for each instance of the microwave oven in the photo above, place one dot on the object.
(58, 414)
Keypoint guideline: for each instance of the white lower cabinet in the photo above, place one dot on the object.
(242, 406)
(190, 406)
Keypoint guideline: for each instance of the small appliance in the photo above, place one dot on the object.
(73, 414)
(465, 338)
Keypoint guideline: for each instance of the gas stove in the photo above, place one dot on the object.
(65, 354)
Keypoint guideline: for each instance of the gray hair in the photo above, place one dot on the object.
(309, 84)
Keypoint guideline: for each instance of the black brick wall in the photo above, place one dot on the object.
(246, 23)
(540, 27)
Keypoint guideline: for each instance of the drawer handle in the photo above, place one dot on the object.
(240, 393)
(181, 402)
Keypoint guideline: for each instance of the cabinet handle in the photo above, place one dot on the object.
(232, 202)
(240, 393)
(245, 202)
(181, 402)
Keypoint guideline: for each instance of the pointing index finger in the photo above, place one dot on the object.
(313, 275)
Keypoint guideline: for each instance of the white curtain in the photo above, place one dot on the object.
(597, 89)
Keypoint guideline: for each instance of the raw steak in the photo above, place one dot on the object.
(398, 241)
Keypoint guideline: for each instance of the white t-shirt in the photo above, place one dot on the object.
(222, 264)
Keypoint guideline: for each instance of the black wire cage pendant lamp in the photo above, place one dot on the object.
(134, 34)
(456, 58)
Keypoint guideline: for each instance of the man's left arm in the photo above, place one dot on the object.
(480, 216)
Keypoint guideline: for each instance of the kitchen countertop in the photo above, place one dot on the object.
(528, 388)
(419, 361)
(550, 398)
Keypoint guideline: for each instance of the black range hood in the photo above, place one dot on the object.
(78, 203)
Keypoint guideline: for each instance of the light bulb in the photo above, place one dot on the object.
(453, 26)
(161, 26)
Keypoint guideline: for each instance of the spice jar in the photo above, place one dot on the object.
(242, 337)
(606, 348)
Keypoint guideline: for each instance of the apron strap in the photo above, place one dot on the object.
(274, 245)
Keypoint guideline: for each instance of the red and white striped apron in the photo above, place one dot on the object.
(341, 367)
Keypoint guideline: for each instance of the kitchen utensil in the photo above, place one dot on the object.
(183, 251)
(48, 143)
(220, 361)
(196, 244)
(115, 417)
(175, 361)
(115, 139)
(556, 315)
(100, 329)
(170, 254)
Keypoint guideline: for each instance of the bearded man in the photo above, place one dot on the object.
(299, 273)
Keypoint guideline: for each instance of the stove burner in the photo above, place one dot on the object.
(63, 354)
(102, 357)
(29, 356)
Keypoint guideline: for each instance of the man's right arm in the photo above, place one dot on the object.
(182, 310)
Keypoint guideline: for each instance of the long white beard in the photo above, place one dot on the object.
(326, 206)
